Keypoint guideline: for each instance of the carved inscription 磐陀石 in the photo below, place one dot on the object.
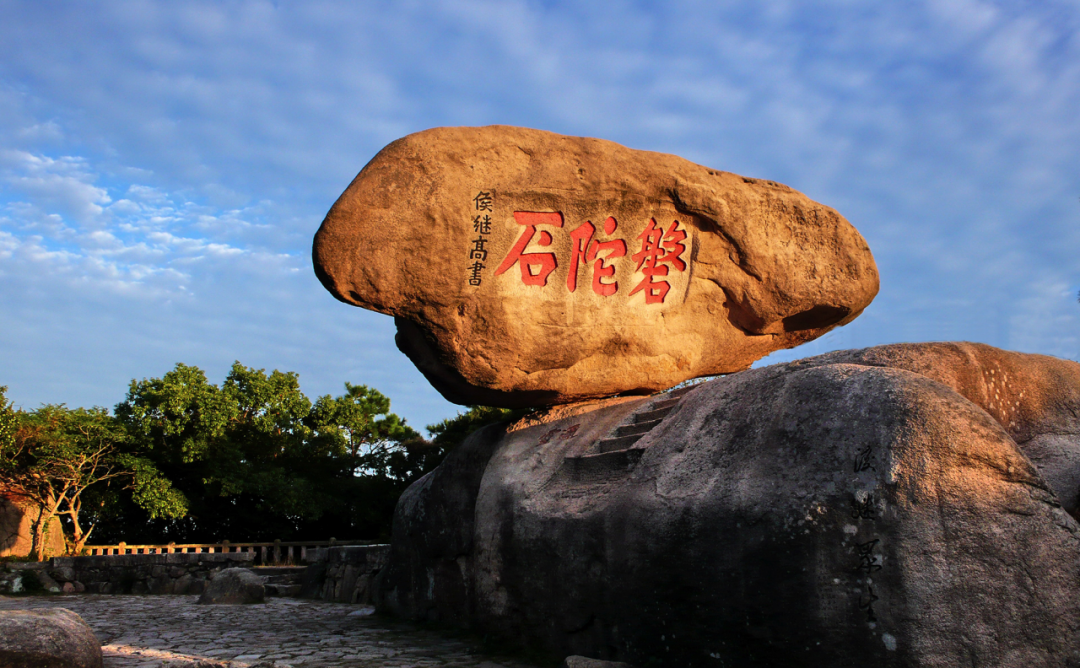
(594, 249)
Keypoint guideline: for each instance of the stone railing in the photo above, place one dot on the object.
(276, 552)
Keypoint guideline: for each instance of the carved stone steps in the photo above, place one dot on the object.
(658, 412)
(601, 465)
(617, 454)
(636, 428)
(617, 443)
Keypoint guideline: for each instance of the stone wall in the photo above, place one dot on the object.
(344, 574)
(143, 573)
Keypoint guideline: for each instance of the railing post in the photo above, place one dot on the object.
(171, 547)
(262, 555)
(123, 548)
(277, 550)
(224, 546)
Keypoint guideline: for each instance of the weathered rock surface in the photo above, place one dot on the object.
(233, 586)
(526, 268)
(807, 514)
(56, 638)
(1036, 398)
(17, 518)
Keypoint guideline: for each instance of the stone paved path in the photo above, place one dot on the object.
(174, 632)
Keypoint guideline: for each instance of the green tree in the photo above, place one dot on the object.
(359, 425)
(56, 455)
(257, 460)
(7, 420)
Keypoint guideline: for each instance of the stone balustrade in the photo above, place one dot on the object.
(266, 553)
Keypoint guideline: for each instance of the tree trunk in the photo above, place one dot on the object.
(37, 541)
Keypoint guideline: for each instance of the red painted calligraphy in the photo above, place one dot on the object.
(545, 263)
(658, 250)
(585, 250)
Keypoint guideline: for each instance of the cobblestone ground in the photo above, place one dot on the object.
(174, 632)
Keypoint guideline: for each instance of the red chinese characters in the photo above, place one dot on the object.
(545, 263)
(658, 250)
(661, 252)
(585, 249)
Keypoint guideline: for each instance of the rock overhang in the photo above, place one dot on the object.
(526, 268)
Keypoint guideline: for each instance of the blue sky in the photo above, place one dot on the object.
(164, 165)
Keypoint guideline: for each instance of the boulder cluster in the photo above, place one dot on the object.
(904, 505)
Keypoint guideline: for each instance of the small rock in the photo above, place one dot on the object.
(232, 586)
(56, 638)
(68, 588)
(365, 611)
(50, 585)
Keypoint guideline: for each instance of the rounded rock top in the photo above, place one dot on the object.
(526, 268)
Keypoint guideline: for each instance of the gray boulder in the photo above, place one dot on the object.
(818, 513)
(233, 586)
(55, 638)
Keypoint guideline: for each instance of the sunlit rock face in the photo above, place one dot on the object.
(526, 268)
(836, 511)
(1035, 398)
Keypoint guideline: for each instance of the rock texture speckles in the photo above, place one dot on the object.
(56, 638)
(526, 268)
(819, 513)
(1035, 398)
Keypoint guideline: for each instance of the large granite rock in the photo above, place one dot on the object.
(55, 638)
(1035, 398)
(526, 268)
(234, 586)
(829, 512)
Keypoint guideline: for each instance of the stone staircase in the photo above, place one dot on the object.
(617, 452)
(281, 580)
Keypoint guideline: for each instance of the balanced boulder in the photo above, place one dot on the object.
(54, 638)
(232, 586)
(817, 513)
(526, 268)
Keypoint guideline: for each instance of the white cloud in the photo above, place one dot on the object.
(62, 184)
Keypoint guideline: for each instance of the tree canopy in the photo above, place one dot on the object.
(185, 460)
(57, 459)
(257, 460)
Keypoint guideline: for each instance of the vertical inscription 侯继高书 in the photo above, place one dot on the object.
(481, 224)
